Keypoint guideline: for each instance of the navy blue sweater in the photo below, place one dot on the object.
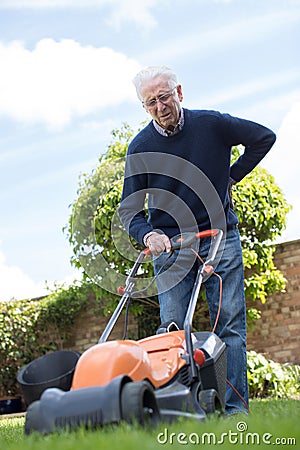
(186, 175)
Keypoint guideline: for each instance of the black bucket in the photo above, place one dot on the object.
(52, 370)
(10, 405)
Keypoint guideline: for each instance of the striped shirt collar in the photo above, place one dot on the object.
(168, 133)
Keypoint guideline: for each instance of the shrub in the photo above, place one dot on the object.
(31, 328)
(271, 379)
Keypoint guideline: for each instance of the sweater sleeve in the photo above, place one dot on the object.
(256, 139)
(132, 207)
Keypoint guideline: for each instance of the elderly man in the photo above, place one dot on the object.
(182, 161)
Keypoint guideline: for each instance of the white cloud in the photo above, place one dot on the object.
(57, 80)
(255, 86)
(288, 133)
(135, 11)
(283, 162)
(203, 41)
(46, 4)
(284, 158)
(16, 284)
(270, 108)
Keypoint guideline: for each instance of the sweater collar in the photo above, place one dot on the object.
(168, 133)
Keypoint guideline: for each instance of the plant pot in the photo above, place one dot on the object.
(54, 369)
(10, 405)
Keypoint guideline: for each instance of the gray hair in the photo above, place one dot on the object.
(152, 72)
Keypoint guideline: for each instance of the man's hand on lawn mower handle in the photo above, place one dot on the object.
(158, 243)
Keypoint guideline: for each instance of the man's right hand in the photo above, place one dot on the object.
(158, 243)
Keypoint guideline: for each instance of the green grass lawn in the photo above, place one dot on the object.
(271, 424)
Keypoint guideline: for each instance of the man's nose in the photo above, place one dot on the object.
(160, 106)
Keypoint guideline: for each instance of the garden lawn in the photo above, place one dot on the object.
(271, 424)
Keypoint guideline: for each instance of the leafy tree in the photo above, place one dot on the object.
(94, 228)
(262, 210)
(94, 221)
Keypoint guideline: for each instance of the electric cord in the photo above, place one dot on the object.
(220, 289)
(239, 395)
(215, 326)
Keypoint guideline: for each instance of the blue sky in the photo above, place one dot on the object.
(65, 83)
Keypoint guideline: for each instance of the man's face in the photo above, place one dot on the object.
(165, 112)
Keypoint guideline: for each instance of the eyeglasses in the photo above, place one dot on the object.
(163, 98)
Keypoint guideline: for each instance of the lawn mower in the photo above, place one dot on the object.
(174, 373)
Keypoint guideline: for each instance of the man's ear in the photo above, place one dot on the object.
(179, 92)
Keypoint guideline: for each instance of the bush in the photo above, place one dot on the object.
(31, 328)
(271, 379)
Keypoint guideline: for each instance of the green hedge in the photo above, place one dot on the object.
(33, 327)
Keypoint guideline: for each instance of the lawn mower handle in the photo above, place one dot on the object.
(187, 326)
(183, 241)
(125, 292)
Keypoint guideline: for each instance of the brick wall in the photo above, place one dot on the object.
(276, 334)
(89, 326)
